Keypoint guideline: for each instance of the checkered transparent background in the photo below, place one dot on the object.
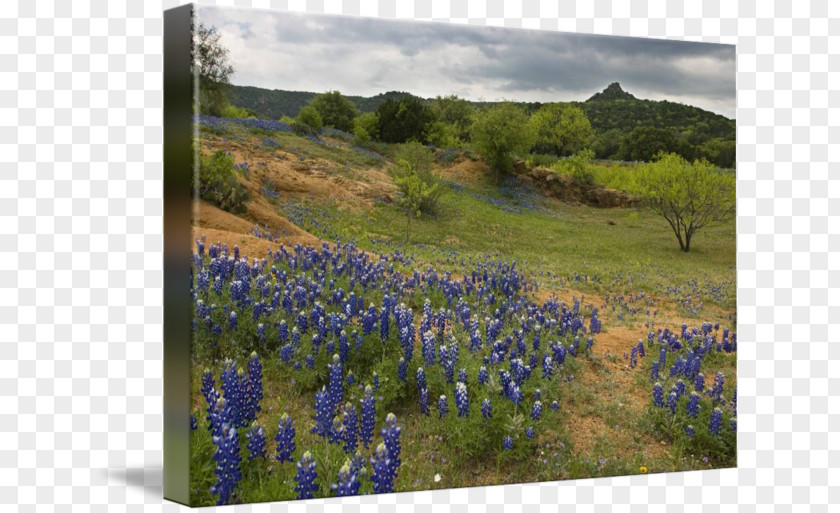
(81, 254)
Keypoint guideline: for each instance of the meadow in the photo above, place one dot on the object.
(510, 337)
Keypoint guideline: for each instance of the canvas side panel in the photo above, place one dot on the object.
(177, 166)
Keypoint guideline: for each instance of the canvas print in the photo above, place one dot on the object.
(430, 256)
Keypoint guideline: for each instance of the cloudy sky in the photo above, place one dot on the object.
(366, 56)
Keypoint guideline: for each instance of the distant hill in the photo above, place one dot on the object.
(626, 127)
(276, 103)
(614, 108)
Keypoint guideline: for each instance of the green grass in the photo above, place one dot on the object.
(627, 250)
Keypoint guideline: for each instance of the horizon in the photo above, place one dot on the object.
(361, 56)
(477, 101)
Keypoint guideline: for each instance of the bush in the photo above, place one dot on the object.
(414, 178)
(218, 183)
(308, 121)
(578, 166)
(335, 110)
(403, 120)
(500, 131)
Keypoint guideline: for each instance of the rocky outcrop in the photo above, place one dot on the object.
(565, 188)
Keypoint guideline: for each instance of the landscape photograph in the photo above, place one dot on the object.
(429, 255)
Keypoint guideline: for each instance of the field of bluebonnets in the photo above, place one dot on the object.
(371, 362)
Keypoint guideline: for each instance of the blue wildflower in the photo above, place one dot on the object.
(285, 439)
(443, 406)
(367, 419)
(256, 441)
(306, 476)
(462, 401)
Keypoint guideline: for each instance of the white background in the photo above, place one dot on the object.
(81, 255)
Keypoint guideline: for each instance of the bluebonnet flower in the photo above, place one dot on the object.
(285, 439)
(383, 470)
(663, 354)
(689, 430)
(482, 375)
(421, 378)
(717, 388)
(555, 405)
(658, 395)
(715, 421)
(295, 337)
(507, 443)
(424, 401)
(391, 437)
(350, 379)
(232, 322)
(515, 394)
(343, 346)
(462, 400)
(350, 427)
(375, 381)
(672, 401)
(733, 423)
(336, 382)
(641, 347)
(735, 401)
(367, 419)
(679, 386)
(536, 410)
(283, 331)
(323, 412)
(310, 361)
(227, 460)
(348, 481)
(699, 383)
(256, 441)
(402, 369)
(486, 409)
(193, 423)
(633, 352)
(306, 476)
(462, 376)
(530, 433)
(428, 346)
(443, 406)
(654, 371)
(693, 405)
(286, 353)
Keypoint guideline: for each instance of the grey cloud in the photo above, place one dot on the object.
(368, 56)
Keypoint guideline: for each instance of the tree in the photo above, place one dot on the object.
(416, 193)
(500, 131)
(414, 158)
(336, 111)
(645, 142)
(403, 120)
(366, 127)
(308, 121)
(210, 63)
(455, 114)
(562, 128)
(688, 195)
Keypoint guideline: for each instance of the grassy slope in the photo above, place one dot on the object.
(600, 429)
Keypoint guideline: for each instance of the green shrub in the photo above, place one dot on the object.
(218, 183)
(578, 166)
(308, 121)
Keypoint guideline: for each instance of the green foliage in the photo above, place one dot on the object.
(218, 183)
(688, 195)
(308, 121)
(607, 144)
(403, 120)
(645, 142)
(442, 135)
(578, 166)
(500, 131)
(562, 128)
(336, 111)
(232, 111)
(213, 68)
(540, 160)
(419, 191)
(455, 114)
(366, 128)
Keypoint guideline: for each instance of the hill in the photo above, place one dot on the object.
(625, 127)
